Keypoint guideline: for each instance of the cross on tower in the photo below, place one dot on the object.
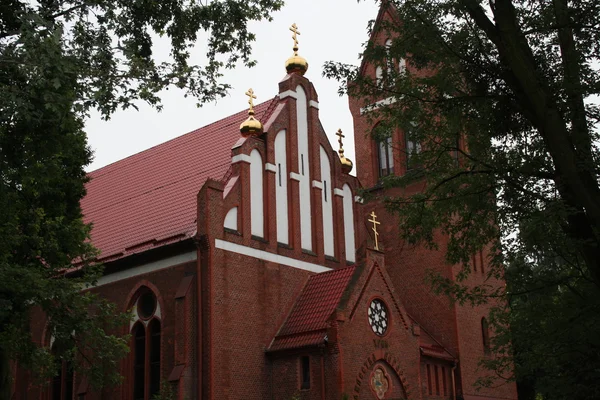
(375, 223)
(251, 97)
(294, 28)
(340, 136)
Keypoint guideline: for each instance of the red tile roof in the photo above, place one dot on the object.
(149, 199)
(307, 322)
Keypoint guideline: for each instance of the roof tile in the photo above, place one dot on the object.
(149, 199)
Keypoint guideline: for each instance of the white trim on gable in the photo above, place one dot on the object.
(288, 93)
(240, 158)
(270, 167)
(271, 257)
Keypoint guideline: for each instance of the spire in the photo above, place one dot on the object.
(251, 126)
(346, 162)
(296, 64)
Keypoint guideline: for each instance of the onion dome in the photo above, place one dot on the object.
(251, 126)
(346, 162)
(296, 64)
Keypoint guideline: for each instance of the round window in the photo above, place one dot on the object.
(146, 305)
(378, 317)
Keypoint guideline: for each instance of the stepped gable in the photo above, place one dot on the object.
(149, 199)
(307, 323)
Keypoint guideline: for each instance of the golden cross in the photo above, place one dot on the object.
(294, 28)
(251, 96)
(340, 136)
(375, 223)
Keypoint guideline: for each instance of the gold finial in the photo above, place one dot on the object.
(346, 162)
(251, 126)
(294, 28)
(296, 64)
(375, 223)
(251, 97)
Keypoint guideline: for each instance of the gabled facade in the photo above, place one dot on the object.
(249, 271)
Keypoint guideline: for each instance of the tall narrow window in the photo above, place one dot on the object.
(305, 361)
(386, 157)
(146, 346)
(429, 388)
(481, 260)
(139, 360)
(437, 381)
(485, 334)
(413, 148)
(62, 383)
(444, 381)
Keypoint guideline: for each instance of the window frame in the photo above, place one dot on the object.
(305, 381)
(385, 149)
(152, 335)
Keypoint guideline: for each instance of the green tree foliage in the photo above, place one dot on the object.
(60, 59)
(501, 97)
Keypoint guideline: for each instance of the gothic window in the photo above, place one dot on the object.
(378, 317)
(485, 334)
(145, 347)
(305, 377)
(385, 156)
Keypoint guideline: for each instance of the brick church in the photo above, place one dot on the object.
(253, 271)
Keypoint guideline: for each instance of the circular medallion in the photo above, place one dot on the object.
(378, 317)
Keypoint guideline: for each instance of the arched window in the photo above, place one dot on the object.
(389, 60)
(485, 334)
(145, 346)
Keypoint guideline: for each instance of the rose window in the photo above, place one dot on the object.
(378, 317)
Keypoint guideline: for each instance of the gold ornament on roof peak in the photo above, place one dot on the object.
(346, 162)
(251, 126)
(296, 64)
(375, 223)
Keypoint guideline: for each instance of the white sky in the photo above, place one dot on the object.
(330, 30)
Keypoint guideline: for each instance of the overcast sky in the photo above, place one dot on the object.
(330, 30)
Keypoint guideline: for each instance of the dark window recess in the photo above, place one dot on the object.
(485, 333)
(279, 174)
(429, 380)
(154, 333)
(302, 162)
(305, 373)
(62, 383)
(437, 381)
(146, 305)
(481, 260)
(444, 381)
(474, 263)
(325, 189)
(57, 385)
(139, 361)
(386, 157)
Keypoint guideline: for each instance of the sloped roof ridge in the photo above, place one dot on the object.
(179, 140)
